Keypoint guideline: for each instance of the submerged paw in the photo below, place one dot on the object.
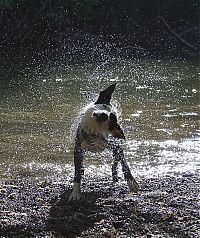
(133, 185)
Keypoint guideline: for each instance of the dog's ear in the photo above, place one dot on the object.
(117, 132)
(105, 95)
(115, 128)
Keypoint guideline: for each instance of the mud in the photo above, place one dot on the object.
(164, 207)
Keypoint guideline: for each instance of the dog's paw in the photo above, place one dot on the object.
(75, 195)
(133, 185)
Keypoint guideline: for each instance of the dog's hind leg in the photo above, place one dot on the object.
(118, 155)
(79, 171)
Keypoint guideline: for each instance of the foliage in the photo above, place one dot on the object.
(45, 21)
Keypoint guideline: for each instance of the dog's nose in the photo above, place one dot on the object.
(100, 116)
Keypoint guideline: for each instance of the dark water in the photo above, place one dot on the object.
(160, 116)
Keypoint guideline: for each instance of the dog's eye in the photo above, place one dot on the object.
(104, 116)
(100, 116)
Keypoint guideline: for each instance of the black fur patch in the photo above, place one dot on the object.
(112, 121)
(100, 117)
(105, 96)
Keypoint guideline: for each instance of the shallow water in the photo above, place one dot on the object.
(159, 102)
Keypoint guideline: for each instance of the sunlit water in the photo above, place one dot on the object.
(160, 117)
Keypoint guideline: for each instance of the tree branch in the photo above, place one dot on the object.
(176, 35)
(188, 30)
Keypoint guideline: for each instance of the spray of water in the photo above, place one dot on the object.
(156, 100)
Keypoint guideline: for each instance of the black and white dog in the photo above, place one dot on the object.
(98, 130)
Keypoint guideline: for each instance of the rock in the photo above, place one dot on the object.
(110, 232)
(12, 196)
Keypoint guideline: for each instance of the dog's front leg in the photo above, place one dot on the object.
(118, 155)
(79, 171)
(114, 170)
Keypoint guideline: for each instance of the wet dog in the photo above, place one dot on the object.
(99, 129)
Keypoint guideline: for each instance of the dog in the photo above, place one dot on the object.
(99, 129)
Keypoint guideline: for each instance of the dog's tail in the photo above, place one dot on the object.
(105, 95)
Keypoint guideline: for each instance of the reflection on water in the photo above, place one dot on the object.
(160, 116)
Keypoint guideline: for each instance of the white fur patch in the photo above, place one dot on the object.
(89, 122)
(99, 131)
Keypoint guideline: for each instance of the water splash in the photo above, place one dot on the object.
(157, 101)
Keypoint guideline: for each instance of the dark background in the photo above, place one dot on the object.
(138, 27)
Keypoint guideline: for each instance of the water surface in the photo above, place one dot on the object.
(158, 100)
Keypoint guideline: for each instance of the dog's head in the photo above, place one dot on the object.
(101, 118)
(109, 120)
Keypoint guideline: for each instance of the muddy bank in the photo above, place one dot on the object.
(164, 207)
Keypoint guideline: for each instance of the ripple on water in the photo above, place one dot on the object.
(153, 158)
(159, 104)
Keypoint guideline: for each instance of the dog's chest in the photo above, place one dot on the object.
(94, 143)
(93, 135)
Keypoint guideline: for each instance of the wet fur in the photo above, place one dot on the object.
(99, 129)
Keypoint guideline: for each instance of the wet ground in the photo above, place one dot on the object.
(164, 207)
(39, 107)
